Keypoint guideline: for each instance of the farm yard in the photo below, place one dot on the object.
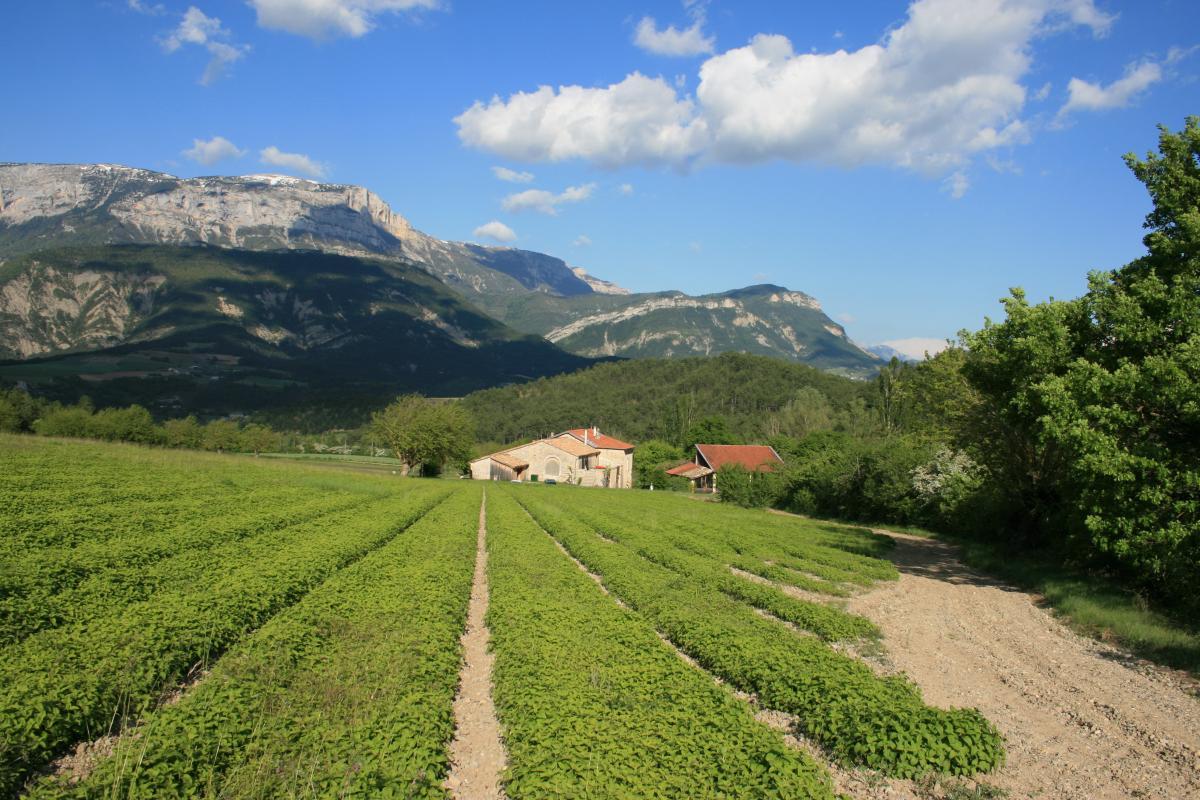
(182, 625)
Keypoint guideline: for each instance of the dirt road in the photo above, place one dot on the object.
(1081, 719)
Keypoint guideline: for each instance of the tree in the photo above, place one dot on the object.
(710, 430)
(186, 433)
(426, 435)
(649, 460)
(17, 411)
(257, 439)
(1091, 405)
(808, 411)
(221, 435)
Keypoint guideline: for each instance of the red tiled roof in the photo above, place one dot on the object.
(570, 445)
(690, 470)
(756, 457)
(599, 440)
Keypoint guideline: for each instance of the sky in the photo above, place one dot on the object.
(904, 163)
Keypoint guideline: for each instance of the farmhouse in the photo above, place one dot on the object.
(582, 456)
(711, 457)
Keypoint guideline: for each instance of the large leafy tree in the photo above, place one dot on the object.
(1091, 411)
(425, 434)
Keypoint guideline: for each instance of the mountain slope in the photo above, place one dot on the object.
(44, 205)
(261, 326)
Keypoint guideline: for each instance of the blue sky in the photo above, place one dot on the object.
(903, 163)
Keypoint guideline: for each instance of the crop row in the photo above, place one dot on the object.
(595, 705)
(857, 716)
(347, 693)
(665, 543)
(47, 589)
(76, 681)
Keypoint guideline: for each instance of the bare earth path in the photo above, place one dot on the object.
(477, 753)
(1081, 719)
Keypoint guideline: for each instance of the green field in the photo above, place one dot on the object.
(255, 628)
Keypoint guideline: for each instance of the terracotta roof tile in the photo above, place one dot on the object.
(599, 440)
(690, 471)
(508, 460)
(756, 457)
(572, 445)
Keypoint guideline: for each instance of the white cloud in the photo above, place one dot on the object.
(546, 202)
(918, 346)
(846, 318)
(639, 120)
(1042, 93)
(322, 19)
(142, 7)
(495, 230)
(296, 162)
(956, 184)
(511, 175)
(582, 240)
(213, 150)
(196, 27)
(936, 91)
(1085, 96)
(625, 189)
(672, 41)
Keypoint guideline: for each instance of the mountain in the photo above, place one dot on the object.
(52, 205)
(764, 319)
(218, 330)
(887, 353)
(56, 205)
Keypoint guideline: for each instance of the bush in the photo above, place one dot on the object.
(740, 486)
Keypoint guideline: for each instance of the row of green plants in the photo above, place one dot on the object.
(662, 541)
(69, 586)
(347, 693)
(857, 716)
(594, 704)
(78, 681)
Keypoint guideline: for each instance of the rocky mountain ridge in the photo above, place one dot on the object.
(55, 205)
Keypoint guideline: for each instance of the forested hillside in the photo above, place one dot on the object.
(755, 396)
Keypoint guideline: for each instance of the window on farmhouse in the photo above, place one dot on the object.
(551, 470)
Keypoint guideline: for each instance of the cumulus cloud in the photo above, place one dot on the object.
(324, 19)
(546, 202)
(197, 28)
(625, 189)
(937, 90)
(672, 41)
(918, 346)
(511, 175)
(1085, 96)
(639, 120)
(582, 240)
(496, 231)
(209, 152)
(295, 162)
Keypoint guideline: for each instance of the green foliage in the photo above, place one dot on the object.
(17, 411)
(186, 433)
(332, 696)
(593, 704)
(860, 718)
(425, 434)
(221, 435)
(660, 398)
(1089, 414)
(708, 430)
(80, 670)
(740, 486)
(651, 460)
